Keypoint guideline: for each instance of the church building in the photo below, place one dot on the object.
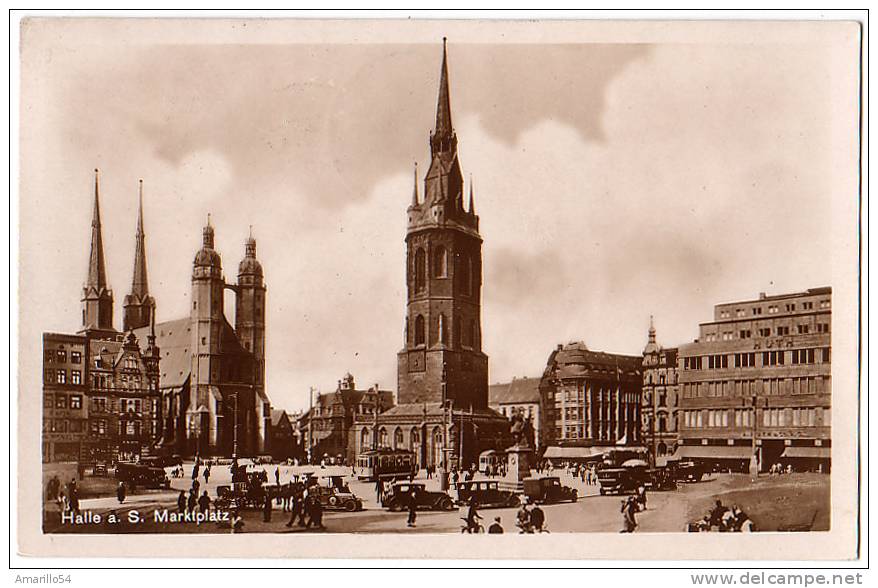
(442, 373)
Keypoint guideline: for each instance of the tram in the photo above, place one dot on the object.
(385, 463)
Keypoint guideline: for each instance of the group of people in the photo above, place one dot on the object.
(530, 518)
(777, 469)
(67, 498)
(303, 502)
(724, 519)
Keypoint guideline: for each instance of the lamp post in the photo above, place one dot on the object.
(754, 455)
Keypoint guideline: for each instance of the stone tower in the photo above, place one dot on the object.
(206, 324)
(442, 357)
(138, 305)
(97, 297)
(250, 307)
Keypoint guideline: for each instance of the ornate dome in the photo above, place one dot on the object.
(207, 258)
(250, 265)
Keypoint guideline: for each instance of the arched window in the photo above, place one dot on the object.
(443, 330)
(662, 423)
(365, 439)
(662, 449)
(420, 270)
(420, 334)
(398, 439)
(440, 262)
(414, 437)
(382, 437)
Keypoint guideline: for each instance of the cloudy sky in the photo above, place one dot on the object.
(614, 180)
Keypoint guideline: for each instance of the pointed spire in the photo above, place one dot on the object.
(472, 205)
(139, 284)
(443, 108)
(207, 234)
(97, 271)
(415, 189)
(651, 330)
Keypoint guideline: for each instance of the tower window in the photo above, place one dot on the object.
(443, 329)
(420, 270)
(440, 262)
(420, 335)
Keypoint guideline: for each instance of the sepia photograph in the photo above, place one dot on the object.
(372, 287)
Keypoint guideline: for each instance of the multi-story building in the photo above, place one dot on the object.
(328, 424)
(65, 397)
(100, 388)
(756, 384)
(519, 397)
(442, 372)
(591, 402)
(659, 411)
(285, 440)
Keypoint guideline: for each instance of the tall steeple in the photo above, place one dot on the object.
(138, 305)
(651, 345)
(443, 107)
(97, 298)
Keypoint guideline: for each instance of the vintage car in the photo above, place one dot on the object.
(338, 498)
(660, 478)
(548, 490)
(487, 493)
(620, 480)
(162, 461)
(99, 469)
(688, 471)
(398, 497)
(135, 475)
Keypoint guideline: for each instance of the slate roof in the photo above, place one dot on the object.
(173, 339)
(576, 360)
(518, 391)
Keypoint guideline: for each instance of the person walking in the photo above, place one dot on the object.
(629, 507)
(204, 503)
(206, 475)
(496, 528)
(413, 508)
(379, 491)
(277, 476)
(120, 492)
(266, 508)
(181, 501)
(195, 471)
(192, 501)
(537, 519)
(522, 519)
(237, 523)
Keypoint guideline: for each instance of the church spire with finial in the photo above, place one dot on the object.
(97, 298)
(138, 305)
(472, 202)
(415, 187)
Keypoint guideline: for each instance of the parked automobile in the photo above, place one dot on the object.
(135, 475)
(487, 494)
(620, 480)
(99, 469)
(336, 498)
(688, 471)
(548, 490)
(661, 478)
(398, 497)
(163, 461)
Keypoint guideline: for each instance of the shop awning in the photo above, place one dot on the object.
(807, 452)
(712, 452)
(555, 452)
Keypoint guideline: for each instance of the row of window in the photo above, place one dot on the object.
(470, 335)
(580, 431)
(770, 417)
(781, 331)
(383, 438)
(517, 410)
(773, 309)
(749, 359)
(53, 376)
(73, 402)
(60, 356)
(762, 387)
(463, 268)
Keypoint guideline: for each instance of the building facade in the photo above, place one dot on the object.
(328, 425)
(100, 386)
(442, 372)
(756, 384)
(660, 408)
(285, 441)
(519, 397)
(591, 402)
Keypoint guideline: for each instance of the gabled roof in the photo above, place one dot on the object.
(173, 339)
(518, 391)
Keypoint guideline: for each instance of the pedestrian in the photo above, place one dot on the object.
(379, 491)
(537, 518)
(277, 475)
(522, 519)
(629, 523)
(204, 503)
(196, 485)
(206, 475)
(472, 516)
(413, 508)
(716, 514)
(53, 489)
(641, 497)
(192, 501)
(195, 471)
(120, 492)
(181, 501)
(266, 509)
(73, 500)
(496, 528)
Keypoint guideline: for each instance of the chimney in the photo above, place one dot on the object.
(762, 296)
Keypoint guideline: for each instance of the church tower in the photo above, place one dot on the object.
(206, 324)
(442, 358)
(97, 298)
(250, 306)
(138, 305)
